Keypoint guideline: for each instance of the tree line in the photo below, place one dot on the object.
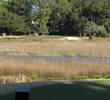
(56, 17)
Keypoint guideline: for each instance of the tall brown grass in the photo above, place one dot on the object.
(45, 70)
(99, 48)
(11, 69)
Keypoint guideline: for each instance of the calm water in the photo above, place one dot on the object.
(32, 58)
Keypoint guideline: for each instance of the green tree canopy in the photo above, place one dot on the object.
(61, 17)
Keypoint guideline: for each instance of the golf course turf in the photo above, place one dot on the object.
(74, 90)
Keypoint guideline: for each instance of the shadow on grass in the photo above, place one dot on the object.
(76, 90)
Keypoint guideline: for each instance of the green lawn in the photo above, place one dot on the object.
(41, 37)
(78, 90)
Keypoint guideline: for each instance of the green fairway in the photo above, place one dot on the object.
(78, 90)
(41, 37)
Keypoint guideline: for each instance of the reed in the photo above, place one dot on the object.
(58, 48)
(45, 70)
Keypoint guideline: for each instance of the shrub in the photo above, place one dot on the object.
(32, 78)
(98, 77)
(80, 77)
(107, 76)
(91, 29)
(43, 29)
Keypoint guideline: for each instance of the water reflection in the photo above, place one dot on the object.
(33, 58)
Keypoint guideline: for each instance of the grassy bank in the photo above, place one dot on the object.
(11, 70)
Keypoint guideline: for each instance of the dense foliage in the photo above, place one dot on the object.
(61, 17)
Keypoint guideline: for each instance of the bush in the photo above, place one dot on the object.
(107, 76)
(80, 77)
(101, 31)
(32, 78)
(98, 77)
(43, 29)
(91, 29)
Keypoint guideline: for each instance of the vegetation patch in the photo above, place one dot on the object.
(42, 70)
(41, 37)
(90, 48)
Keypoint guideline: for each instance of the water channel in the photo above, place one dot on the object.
(35, 58)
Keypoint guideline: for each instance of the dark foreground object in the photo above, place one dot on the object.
(22, 94)
(67, 90)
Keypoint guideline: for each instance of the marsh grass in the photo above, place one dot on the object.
(52, 71)
(95, 48)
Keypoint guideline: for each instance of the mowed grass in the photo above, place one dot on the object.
(74, 90)
(41, 37)
(56, 47)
